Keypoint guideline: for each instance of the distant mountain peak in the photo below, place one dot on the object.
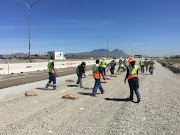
(101, 52)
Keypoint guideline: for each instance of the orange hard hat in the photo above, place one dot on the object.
(131, 59)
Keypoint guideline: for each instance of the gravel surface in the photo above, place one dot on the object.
(110, 113)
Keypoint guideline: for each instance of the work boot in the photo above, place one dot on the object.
(54, 88)
(102, 92)
(138, 99)
(81, 86)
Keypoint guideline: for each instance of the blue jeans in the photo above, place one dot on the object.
(151, 70)
(96, 86)
(79, 81)
(112, 70)
(52, 77)
(132, 92)
(104, 71)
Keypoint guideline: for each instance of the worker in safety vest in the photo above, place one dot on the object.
(112, 65)
(132, 76)
(80, 70)
(52, 73)
(151, 67)
(120, 64)
(103, 65)
(97, 72)
(146, 64)
(142, 63)
(125, 62)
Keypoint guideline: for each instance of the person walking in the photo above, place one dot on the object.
(97, 72)
(151, 67)
(120, 64)
(132, 76)
(80, 70)
(125, 62)
(103, 65)
(52, 74)
(146, 64)
(142, 63)
(112, 65)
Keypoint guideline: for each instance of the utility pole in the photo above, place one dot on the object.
(29, 7)
(107, 41)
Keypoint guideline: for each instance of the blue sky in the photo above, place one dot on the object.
(150, 27)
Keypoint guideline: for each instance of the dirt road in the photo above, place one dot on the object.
(110, 113)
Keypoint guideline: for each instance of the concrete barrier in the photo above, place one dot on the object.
(12, 68)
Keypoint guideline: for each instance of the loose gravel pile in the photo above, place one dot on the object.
(110, 113)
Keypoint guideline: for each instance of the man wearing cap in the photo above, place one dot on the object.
(97, 72)
(80, 70)
(103, 65)
(132, 76)
(52, 73)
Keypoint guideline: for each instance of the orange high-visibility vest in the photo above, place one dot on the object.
(96, 73)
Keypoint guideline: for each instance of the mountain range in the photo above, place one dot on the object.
(101, 52)
(15, 54)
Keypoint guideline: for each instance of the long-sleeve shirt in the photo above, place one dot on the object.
(81, 69)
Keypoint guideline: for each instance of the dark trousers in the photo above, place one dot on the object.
(134, 86)
(79, 79)
(104, 71)
(142, 68)
(112, 70)
(96, 86)
(151, 70)
(52, 77)
(132, 93)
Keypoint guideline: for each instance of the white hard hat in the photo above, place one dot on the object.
(103, 58)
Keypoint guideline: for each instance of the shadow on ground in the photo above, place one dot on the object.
(72, 86)
(117, 99)
(44, 89)
(83, 93)
(120, 99)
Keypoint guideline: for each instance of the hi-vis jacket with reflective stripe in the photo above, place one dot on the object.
(50, 67)
(132, 71)
(96, 73)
